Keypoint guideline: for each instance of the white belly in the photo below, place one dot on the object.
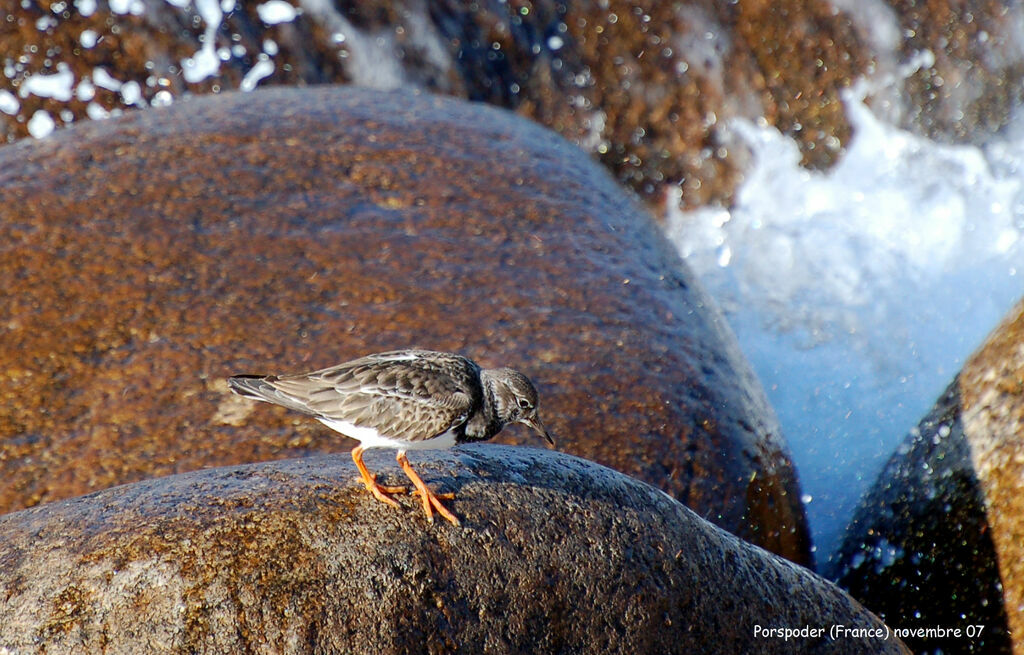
(370, 438)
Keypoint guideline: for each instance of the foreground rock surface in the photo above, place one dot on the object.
(148, 258)
(555, 555)
(939, 540)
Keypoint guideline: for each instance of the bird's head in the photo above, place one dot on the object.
(515, 400)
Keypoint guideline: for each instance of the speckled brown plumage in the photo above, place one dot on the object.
(406, 400)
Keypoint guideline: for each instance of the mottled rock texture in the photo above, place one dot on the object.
(939, 539)
(644, 86)
(149, 257)
(556, 555)
(992, 388)
(970, 82)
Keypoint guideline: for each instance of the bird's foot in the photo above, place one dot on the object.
(431, 501)
(380, 492)
(385, 488)
(447, 495)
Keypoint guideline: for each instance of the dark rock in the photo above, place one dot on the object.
(149, 257)
(919, 551)
(937, 540)
(556, 555)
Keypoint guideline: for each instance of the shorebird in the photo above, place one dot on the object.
(405, 400)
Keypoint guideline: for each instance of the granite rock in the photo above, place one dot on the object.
(555, 555)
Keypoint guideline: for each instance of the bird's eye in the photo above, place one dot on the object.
(524, 403)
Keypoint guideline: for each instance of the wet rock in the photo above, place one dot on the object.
(937, 541)
(644, 86)
(919, 551)
(992, 385)
(555, 554)
(969, 80)
(149, 257)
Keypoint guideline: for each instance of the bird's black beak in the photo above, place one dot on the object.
(538, 427)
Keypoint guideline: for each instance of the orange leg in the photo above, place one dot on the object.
(429, 498)
(379, 492)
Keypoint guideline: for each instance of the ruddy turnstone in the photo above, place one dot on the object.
(405, 400)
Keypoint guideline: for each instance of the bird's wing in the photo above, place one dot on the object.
(401, 395)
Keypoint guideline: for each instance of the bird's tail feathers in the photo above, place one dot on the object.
(261, 387)
(256, 387)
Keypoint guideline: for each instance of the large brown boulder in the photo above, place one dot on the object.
(992, 384)
(147, 258)
(555, 555)
(939, 540)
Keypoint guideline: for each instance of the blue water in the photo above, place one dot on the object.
(858, 293)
